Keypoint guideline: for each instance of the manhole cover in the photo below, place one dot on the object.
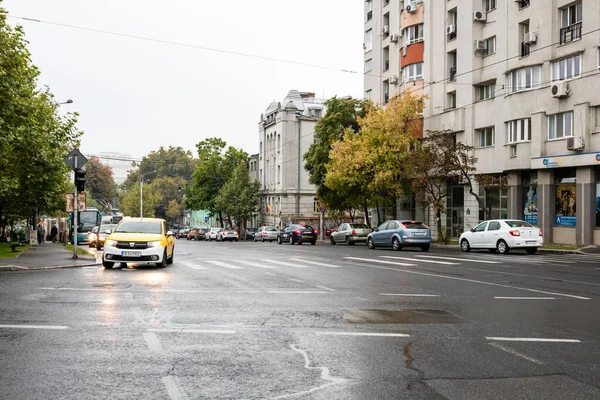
(400, 317)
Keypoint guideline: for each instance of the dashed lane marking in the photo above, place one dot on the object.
(224, 265)
(174, 388)
(461, 259)
(320, 264)
(294, 292)
(326, 288)
(51, 327)
(511, 339)
(187, 330)
(516, 353)
(374, 334)
(409, 294)
(295, 280)
(419, 260)
(380, 261)
(285, 264)
(152, 341)
(257, 265)
(525, 298)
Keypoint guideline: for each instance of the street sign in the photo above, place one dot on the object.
(206, 219)
(70, 200)
(75, 159)
(81, 201)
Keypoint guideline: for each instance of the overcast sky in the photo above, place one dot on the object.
(134, 96)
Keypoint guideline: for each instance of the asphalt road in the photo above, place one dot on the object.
(261, 320)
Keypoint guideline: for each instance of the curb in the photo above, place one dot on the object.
(23, 269)
(540, 250)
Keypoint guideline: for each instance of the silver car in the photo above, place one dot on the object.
(213, 234)
(265, 233)
(350, 234)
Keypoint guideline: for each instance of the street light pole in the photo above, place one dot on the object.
(142, 192)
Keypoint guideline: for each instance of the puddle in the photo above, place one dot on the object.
(401, 317)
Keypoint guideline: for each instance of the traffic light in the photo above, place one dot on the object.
(179, 189)
(80, 179)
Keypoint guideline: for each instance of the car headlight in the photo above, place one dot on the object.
(110, 243)
(155, 244)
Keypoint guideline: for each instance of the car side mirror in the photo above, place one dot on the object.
(472, 229)
(170, 233)
(376, 229)
(108, 231)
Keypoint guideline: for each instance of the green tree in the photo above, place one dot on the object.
(34, 137)
(100, 182)
(130, 201)
(168, 190)
(342, 114)
(174, 162)
(173, 210)
(239, 197)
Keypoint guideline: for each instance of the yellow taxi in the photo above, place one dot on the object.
(139, 241)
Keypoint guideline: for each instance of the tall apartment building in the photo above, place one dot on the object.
(286, 131)
(518, 80)
(119, 164)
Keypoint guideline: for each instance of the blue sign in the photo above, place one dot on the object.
(565, 221)
(206, 219)
(531, 219)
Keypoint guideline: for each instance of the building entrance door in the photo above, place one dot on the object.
(455, 221)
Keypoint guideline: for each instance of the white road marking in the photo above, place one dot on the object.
(152, 341)
(173, 388)
(190, 265)
(293, 292)
(326, 288)
(409, 294)
(429, 261)
(462, 259)
(187, 330)
(285, 264)
(320, 264)
(375, 334)
(509, 339)
(257, 265)
(295, 280)
(531, 276)
(380, 261)
(525, 298)
(224, 265)
(325, 375)
(269, 273)
(362, 298)
(53, 327)
(516, 353)
(468, 280)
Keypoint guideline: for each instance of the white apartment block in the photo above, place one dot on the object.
(519, 81)
(286, 131)
(120, 164)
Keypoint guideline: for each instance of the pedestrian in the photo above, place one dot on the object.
(53, 233)
(40, 233)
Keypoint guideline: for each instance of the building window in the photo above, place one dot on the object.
(369, 40)
(496, 201)
(453, 19)
(451, 100)
(412, 72)
(523, 31)
(524, 78)
(565, 199)
(386, 24)
(567, 68)
(523, 4)
(490, 5)
(278, 174)
(485, 136)
(368, 65)
(485, 92)
(560, 125)
(368, 94)
(413, 34)
(518, 130)
(490, 46)
(595, 111)
(571, 23)
(386, 58)
(452, 63)
(278, 142)
(597, 202)
(369, 10)
(529, 183)
(386, 91)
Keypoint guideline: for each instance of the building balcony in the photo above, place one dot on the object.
(570, 33)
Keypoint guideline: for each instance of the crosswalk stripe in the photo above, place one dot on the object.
(285, 264)
(414, 259)
(257, 265)
(224, 265)
(316, 263)
(190, 265)
(461, 259)
(380, 261)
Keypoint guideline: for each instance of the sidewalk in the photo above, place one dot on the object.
(45, 256)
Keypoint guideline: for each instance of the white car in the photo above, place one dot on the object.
(265, 233)
(213, 234)
(502, 235)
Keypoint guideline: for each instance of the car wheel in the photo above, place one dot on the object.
(236, 240)
(531, 250)
(425, 247)
(370, 244)
(332, 240)
(396, 244)
(493, 251)
(107, 264)
(163, 263)
(313, 243)
(291, 241)
(270, 241)
(262, 239)
(347, 240)
(465, 246)
(279, 240)
(502, 247)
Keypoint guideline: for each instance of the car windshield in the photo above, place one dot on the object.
(359, 226)
(104, 228)
(414, 225)
(271, 229)
(139, 227)
(518, 224)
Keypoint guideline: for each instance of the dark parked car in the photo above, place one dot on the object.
(295, 233)
(182, 234)
(199, 234)
(250, 232)
(102, 234)
(399, 234)
(329, 230)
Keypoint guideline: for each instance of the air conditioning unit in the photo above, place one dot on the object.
(480, 45)
(394, 80)
(386, 29)
(575, 143)
(530, 38)
(411, 8)
(560, 89)
(394, 38)
(479, 16)
(450, 29)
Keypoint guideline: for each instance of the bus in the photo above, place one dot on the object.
(88, 219)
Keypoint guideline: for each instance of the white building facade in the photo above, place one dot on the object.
(286, 131)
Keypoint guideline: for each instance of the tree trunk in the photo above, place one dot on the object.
(395, 208)
(378, 214)
(221, 219)
(366, 210)
(438, 216)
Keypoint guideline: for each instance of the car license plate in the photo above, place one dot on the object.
(530, 242)
(419, 234)
(131, 253)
